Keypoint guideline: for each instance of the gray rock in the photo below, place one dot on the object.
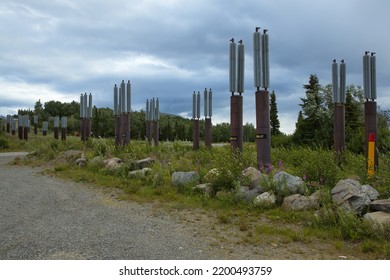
(371, 192)
(264, 200)
(380, 205)
(112, 163)
(289, 184)
(351, 195)
(97, 161)
(82, 161)
(146, 162)
(380, 218)
(185, 178)
(204, 188)
(300, 202)
(140, 173)
(256, 177)
(248, 195)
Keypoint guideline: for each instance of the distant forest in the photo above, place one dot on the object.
(313, 126)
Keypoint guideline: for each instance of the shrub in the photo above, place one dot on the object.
(4, 144)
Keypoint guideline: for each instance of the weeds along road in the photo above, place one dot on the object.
(46, 218)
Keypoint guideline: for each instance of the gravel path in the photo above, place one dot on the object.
(46, 218)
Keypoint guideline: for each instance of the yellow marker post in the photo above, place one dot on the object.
(371, 155)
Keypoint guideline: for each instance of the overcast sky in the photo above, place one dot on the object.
(58, 49)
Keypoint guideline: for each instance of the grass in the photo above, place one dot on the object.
(252, 225)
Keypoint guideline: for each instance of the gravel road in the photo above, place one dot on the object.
(46, 218)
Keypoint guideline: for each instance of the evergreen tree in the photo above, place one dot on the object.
(315, 125)
(274, 120)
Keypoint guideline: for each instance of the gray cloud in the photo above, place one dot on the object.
(168, 49)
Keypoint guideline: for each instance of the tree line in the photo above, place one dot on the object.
(314, 125)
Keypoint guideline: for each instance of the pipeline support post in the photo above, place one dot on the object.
(339, 132)
(370, 129)
(208, 133)
(263, 131)
(195, 134)
(236, 119)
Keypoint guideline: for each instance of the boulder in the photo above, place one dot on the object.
(204, 188)
(380, 205)
(256, 177)
(371, 192)
(264, 200)
(300, 202)
(112, 163)
(381, 218)
(248, 195)
(351, 195)
(289, 184)
(185, 178)
(97, 161)
(82, 161)
(140, 173)
(146, 162)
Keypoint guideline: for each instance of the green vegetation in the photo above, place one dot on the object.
(315, 165)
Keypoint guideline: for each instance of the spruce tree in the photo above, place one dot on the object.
(274, 120)
(315, 126)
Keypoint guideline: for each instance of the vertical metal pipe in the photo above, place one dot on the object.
(194, 105)
(90, 106)
(265, 59)
(157, 115)
(198, 105)
(45, 126)
(373, 75)
(335, 83)
(257, 64)
(205, 103)
(240, 68)
(232, 66)
(115, 100)
(128, 96)
(343, 74)
(210, 103)
(35, 124)
(85, 103)
(64, 125)
(56, 127)
(366, 76)
(123, 97)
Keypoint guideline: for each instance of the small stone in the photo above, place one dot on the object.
(300, 202)
(265, 200)
(146, 162)
(185, 178)
(380, 205)
(380, 218)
